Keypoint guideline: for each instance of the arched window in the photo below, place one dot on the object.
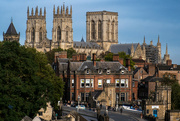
(33, 35)
(92, 30)
(40, 35)
(66, 36)
(59, 33)
(112, 31)
(107, 31)
(99, 30)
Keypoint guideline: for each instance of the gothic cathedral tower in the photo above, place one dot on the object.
(62, 32)
(102, 28)
(36, 31)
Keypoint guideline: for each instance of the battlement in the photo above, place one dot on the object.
(62, 12)
(37, 15)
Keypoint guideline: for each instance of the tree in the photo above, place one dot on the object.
(170, 80)
(109, 57)
(26, 81)
(70, 52)
(50, 54)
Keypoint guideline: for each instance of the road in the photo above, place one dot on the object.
(116, 116)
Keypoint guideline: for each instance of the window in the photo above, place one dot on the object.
(87, 82)
(99, 82)
(133, 84)
(82, 96)
(72, 82)
(99, 29)
(82, 83)
(122, 96)
(126, 82)
(174, 76)
(92, 30)
(108, 81)
(123, 83)
(122, 72)
(117, 82)
(87, 97)
(33, 35)
(92, 82)
(108, 71)
(40, 36)
(147, 111)
(112, 30)
(87, 71)
(59, 33)
(100, 71)
(72, 96)
(66, 36)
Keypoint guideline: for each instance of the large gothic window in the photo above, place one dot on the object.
(107, 31)
(92, 30)
(112, 31)
(99, 30)
(66, 36)
(33, 35)
(59, 33)
(40, 35)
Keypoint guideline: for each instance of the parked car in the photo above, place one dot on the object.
(81, 107)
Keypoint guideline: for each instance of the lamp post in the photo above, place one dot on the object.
(117, 102)
(78, 103)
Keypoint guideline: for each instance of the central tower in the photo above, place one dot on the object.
(102, 28)
(62, 32)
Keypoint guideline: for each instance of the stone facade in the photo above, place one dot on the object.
(62, 32)
(161, 102)
(102, 28)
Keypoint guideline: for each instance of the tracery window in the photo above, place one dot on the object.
(99, 30)
(33, 35)
(59, 33)
(40, 35)
(112, 31)
(92, 29)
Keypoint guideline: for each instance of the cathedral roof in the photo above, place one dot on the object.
(115, 48)
(81, 44)
(11, 30)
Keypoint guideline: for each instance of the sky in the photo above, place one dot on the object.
(136, 19)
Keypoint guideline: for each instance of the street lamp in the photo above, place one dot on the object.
(117, 102)
(78, 103)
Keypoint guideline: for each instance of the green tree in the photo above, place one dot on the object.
(70, 52)
(109, 57)
(26, 82)
(50, 54)
(170, 80)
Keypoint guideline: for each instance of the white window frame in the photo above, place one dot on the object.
(108, 81)
(87, 82)
(92, 83)
(81, 82)
(123, 82)
(108, 71)
(126, 85)
(99, 83)
(117, 82)
(72, 83)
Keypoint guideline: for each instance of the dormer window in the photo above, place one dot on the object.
(87, 71)
(100, 71)
(108, 71)
(122, 71)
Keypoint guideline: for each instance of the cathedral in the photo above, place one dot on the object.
(101, 35)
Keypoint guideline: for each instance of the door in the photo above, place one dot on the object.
(155, 113)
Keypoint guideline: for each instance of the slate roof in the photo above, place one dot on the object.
(75, 65)
(115, 48)
(96, 93)
(136, 70)
(11, 30)
(81, 44)
(166, 67)
(151, 79)
(113, 66)
(138, 60)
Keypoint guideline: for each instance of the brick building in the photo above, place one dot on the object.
(84, 76)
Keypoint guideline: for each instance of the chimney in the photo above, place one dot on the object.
(116, 57)
(56, 54)
(82, 57)
(169, 62)
(121, 61)
(128, 64)
(61, 54)
(94, 59)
